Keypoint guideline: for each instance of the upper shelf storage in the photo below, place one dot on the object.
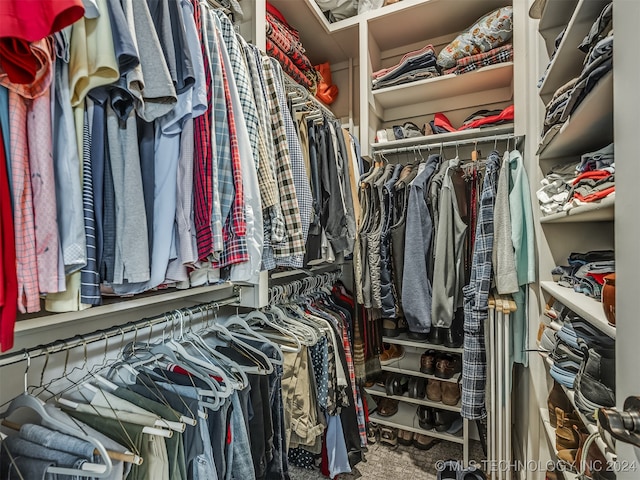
(448, 92)
(411, 21)
(323, 41)
(567, 63)
(555, 16)
(589, 127)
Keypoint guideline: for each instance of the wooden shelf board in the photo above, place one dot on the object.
(407, 419)
(567, 63)
(588, 308)
(403, 339)
(472, 133)
(410, 365)
(380, 392)
(601, 211)
(590, 126)
(421, 92)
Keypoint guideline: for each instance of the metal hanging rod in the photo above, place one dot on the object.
(452, 143)
(118, 330)
(306, 95)
(302, 286)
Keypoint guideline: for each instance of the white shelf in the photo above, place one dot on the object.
(114, 305)
(381, 392)
(567, 63)
(411, 21)
(588, 308)
(472, 133)
(600, 211)
(410, 365)
(551, 439)
(403, 339)
(589, 127)
(407, 419)
(431, 90)
(555, 16)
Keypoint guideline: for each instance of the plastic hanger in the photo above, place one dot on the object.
(94, 470)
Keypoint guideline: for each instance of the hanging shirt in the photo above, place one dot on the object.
(93, 60)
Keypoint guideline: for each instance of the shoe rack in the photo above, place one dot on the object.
(407, 417)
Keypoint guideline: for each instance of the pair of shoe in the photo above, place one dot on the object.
(595, 383)
(430, 418)
(442, 365)
(418, 440)
(453, 470)
(449, 337)
(392, 327)
(445, 392)
(392, 354)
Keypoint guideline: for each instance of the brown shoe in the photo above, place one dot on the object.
(423, 442)
(450, 393)
(557, 398)
(434, 390)
(448, 365)
(387, 407)
(428, 362)
(405, 437)
(391, 354)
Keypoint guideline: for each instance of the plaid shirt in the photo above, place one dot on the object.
(203, 158)
(235, 228)
(266, 174)
(476, 299)
(288, 45)
(475, 62)
(286, 166)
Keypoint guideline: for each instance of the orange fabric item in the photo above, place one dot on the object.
(326, 92)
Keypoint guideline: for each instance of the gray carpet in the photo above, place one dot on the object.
(407, 463)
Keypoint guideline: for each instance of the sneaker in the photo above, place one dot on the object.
(392, 354)
(389, 436)
(373, 433)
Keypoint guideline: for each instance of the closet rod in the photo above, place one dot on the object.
(291, 84)
(57, 346)
(278, 293)
(452, 143)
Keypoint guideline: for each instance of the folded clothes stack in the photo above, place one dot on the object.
(586, 271)
(598, 62)
(283, 44)
(474, 62)
(416, 65)
(569, 186)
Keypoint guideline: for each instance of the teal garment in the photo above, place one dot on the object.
(522, 235)
(4, 124)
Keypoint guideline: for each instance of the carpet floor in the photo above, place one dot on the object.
(406, 463)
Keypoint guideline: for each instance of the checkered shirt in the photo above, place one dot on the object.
(234, 231)
(475, 62)
(287, 64)
(476, 299)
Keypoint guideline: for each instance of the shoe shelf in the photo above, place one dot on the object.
(437, 139)
(437, 94)
(406, 418)
(589, 127)
(551, 438)
(409, 364)
(381, 392)
(404, 340)
(588, 308)
(590, 425)
(600, 211)
(568, 60)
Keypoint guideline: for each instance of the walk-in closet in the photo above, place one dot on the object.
(305, 239)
